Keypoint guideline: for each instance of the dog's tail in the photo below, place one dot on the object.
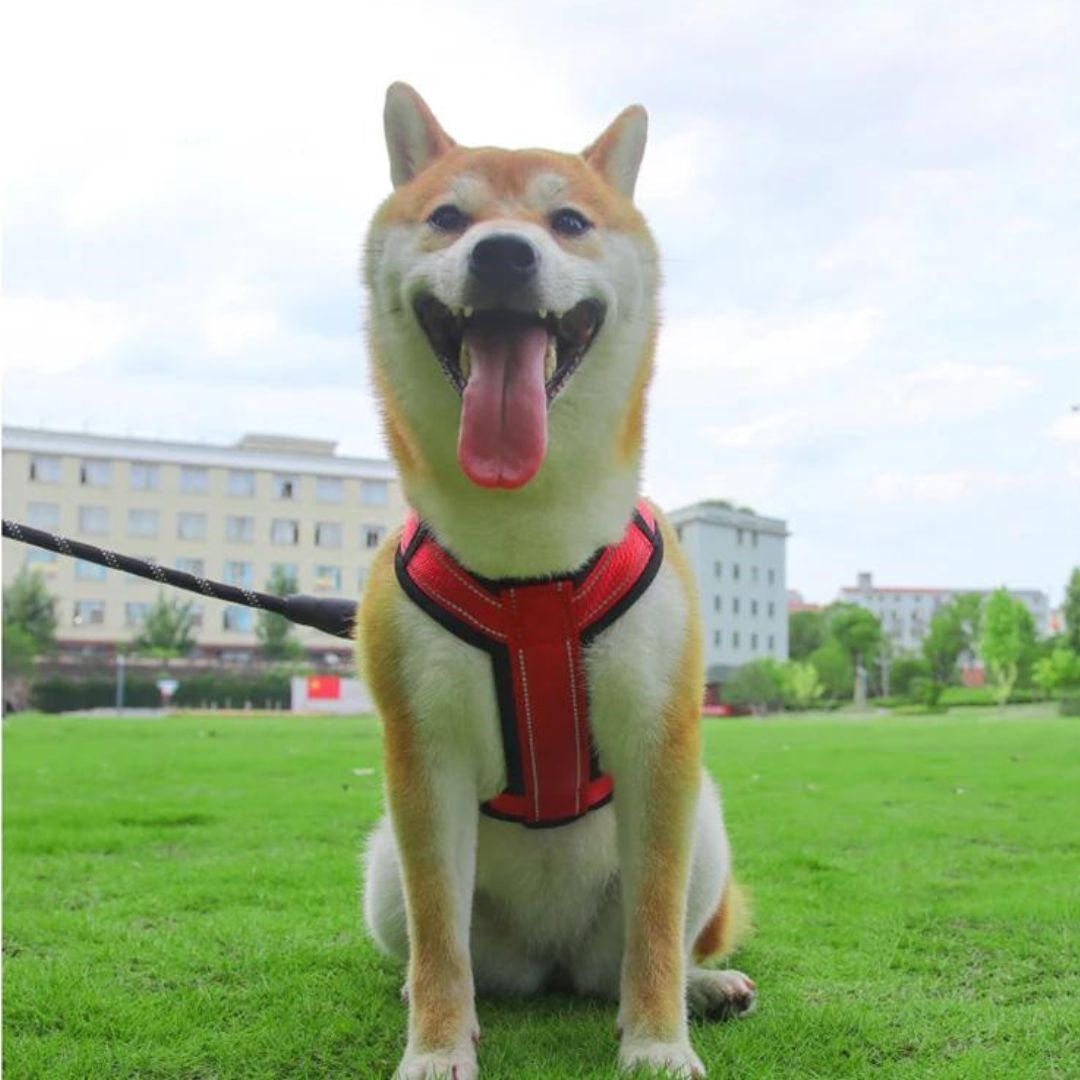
(729, 926)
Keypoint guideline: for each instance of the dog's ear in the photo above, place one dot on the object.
(617, 154)
(414, 138)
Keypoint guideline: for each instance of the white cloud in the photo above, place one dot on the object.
(946, 486)
(770, 432)
(1066, 429)
(54, 336)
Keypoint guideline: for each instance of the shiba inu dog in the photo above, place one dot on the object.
(532, 638)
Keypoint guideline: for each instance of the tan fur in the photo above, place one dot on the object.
(727, 929)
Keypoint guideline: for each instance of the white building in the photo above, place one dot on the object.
(228, 513)
(739, 561)
(905, 612)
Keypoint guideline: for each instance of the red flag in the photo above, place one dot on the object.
(324, 687)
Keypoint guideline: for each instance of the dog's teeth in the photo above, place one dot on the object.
(551, 359)
(464, 360)
(468, 312)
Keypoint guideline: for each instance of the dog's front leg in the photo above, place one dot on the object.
(656, 786)
(434, 808)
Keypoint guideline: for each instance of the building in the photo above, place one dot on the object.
(230, 513)
(796, 603)
(740, 564)
(905, 612)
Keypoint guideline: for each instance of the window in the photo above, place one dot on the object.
(88, 571)
(286, 486)
(772, 577)
(753, 539)
(93, 520)
(95, 473)
(240, 530)
(135, 613)
(772, 609)
(735, 639)
(142, 523)
(45, 469)
(241, 483)
(753, 607)
(375, 493)
(772, 643)
(145, 477)
(241, 574)
(716, 638)
(194, 480)
(716, 603)
(236, 619)
(195, 567)
(735, 605)
(88, 613)
(329, 489)
(753, 641)
(285, 532)
(361, 578)
(718, 569)
(327, 578)
(287, 573)
(371, 536)
(43, 515)
(196, 616)
(191, 526)
(328, 534)
(739, 537)
(40, 560)
(735, 571)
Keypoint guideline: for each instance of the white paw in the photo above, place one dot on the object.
(675, 1059)
(718, 995)
(456, 1064)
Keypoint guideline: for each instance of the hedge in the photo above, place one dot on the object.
(1069, 705)
(61, 694)
(984, 695)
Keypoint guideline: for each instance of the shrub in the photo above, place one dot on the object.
(925, 690)
(903, 671)
(1069, 705)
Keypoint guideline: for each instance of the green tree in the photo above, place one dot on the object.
(20, 654)
(800, 684)
(833, 665)
(29, 606)
(166, 630)
(756, 684)
(275, 632)
(1008, 634)
(1071, 610)
(806, 632)
(858, 631)
(1058, 671)
(946, 638)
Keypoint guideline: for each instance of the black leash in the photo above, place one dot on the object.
(331, 616)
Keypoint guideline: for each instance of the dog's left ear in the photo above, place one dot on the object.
(617, 154)
(414, 138)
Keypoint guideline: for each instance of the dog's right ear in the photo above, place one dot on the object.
(414, 138)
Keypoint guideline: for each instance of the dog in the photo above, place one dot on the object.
(531, 639)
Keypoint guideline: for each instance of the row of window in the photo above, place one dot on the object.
(234, 618)
(326, 578)
(736, 640)
(284, 532)
(718, 605)
(195, 480)
(736, 573)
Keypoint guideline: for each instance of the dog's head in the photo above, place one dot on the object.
(512, 305)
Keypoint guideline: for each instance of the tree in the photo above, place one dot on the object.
(756, 684)
(1008, 633)
(1071, 609)
(20, 653)
(274, 632)
(834, 668)
(166, 630)
(800, 684)
(946, 638)
(859, 632)
(1058, 671)
(806, 632)
(28, 606)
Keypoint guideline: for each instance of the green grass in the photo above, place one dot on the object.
(181, 902)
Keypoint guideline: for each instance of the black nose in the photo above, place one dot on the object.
(503, 259)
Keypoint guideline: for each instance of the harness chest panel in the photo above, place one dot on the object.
(535, 632)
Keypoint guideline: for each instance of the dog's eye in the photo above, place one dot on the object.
(567, 222)
(448, 218)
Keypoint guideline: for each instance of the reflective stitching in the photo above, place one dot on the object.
(596, 575)
(529, 728)
(577, 726)
(449, 566)
(466, 615)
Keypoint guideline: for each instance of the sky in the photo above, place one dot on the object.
(869, 216)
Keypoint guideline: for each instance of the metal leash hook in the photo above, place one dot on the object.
(331, 616)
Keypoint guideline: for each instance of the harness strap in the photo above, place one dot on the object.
(536, 632)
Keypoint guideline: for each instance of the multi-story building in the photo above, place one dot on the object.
(905, 612)
(230, 513)
(740, 565)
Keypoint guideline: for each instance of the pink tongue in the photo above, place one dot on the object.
(503, 434)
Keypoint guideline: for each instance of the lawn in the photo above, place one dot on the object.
(181, 902)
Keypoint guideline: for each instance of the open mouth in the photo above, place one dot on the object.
(452, 333)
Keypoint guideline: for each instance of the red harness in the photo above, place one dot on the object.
(536, 631)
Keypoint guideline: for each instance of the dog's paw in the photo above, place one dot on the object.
(676, 1059)
(456, 1064)
(720, 995)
